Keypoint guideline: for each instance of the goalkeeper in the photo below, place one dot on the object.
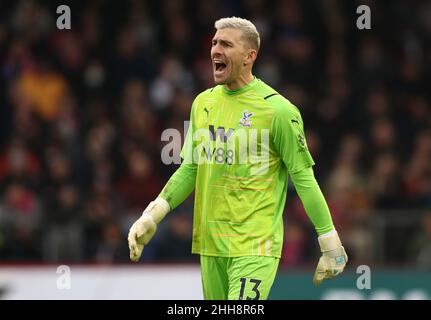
(238, 206)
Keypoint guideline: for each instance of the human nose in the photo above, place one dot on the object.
(216, 50)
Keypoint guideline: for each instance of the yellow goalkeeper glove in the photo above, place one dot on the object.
(145, 227)
(333, 259)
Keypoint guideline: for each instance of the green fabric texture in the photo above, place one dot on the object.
(238, 278)
(313, 200)
(180, 185)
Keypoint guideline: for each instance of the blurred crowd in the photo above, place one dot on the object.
(82, 112)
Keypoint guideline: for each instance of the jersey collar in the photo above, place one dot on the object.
(247, 87)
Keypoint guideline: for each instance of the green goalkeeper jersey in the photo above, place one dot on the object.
(239, 150)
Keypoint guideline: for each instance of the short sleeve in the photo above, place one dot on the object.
(288, 136)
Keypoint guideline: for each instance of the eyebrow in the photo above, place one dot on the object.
(222, 41)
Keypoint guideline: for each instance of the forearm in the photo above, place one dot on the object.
(313, 200)
(180, 185)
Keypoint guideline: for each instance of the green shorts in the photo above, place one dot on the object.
(238, 278)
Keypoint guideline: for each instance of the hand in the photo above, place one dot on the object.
(140, 234)
(333, 259)
(143, 230)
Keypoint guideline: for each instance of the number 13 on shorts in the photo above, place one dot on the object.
(238, 278)
(251, 277)
(255, 289)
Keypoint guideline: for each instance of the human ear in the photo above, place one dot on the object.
(250, 56)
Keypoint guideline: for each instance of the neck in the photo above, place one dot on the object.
(240, 82)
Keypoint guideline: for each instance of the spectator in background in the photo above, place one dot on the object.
(140, 183)
(112, 248)
(175, 243)
(294, 246)
(19, 163)
(63, 237)
(20, 214)
(45, 89)
(102, 207)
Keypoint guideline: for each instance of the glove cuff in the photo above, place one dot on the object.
(329, 241)
(157, 209)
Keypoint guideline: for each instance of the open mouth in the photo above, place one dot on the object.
(220, 66)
